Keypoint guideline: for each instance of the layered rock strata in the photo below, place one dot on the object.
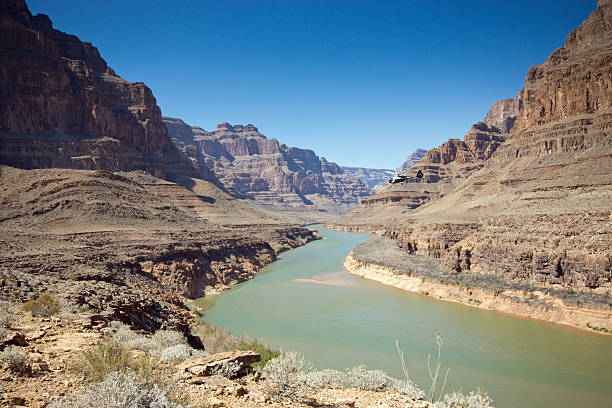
(539, 211)
(411, 160)
(252, 166)
(374, 179)
(63, 106)
(128, 250)
(421, 275)
(444, 168)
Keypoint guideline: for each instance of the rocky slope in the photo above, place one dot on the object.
(375, 179)
(63, 106)
(411, 160)
(104, 226)
(252, 166)
(539, 211)
(444, 169)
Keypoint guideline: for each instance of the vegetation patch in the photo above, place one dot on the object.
(281, 248)
(217, 340)
(599, 329)
(14, 361)
(44, 305)
(382, 251)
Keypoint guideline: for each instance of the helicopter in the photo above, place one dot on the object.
(403, 178)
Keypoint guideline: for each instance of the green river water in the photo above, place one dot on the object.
(348, 321)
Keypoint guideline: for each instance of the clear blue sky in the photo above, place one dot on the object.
(363, 83)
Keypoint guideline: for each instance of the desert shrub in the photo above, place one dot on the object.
(366, 380)
(227, 369)
(478, 399)
(99, 361)
(406, 387)
(284, 375)
(323, 379)
(167, 338)
(14, 360)
(156, 344)
(179, 352)
(44, 305)
(142, 343)
(291, 376)
(120, 389)
(6, 315)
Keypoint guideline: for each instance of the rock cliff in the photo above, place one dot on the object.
(411, 160)
(63, 106)
(503, 113)
(374, 179)
(539, 209)
(444, 169)
(252, 166)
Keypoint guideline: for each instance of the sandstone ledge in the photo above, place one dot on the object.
(559, 313)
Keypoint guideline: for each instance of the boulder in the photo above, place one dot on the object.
(207, 365)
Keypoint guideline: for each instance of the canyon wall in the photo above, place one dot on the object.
(252, 166)
(444, 168)
(63, 106)
(533, 205)
(374, 179)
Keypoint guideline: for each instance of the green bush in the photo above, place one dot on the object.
(44, 305)
(99, 361)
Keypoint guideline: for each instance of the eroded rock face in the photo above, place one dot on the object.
(63, 106)
(537, 206)
(411, 160)
(444, 168)
(375, 179)
(253, 166)
(503, 113)
(540, 209)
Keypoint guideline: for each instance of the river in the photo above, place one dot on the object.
(306, 302)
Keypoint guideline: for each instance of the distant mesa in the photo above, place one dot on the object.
(375, 179)
(252, 166)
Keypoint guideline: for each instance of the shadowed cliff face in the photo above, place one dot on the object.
(253, 166)
(62, 106)
(537, 207)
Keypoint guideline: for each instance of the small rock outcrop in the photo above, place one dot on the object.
(63, 106)
(209, 365)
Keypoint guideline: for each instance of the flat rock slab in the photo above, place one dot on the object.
(207, 365)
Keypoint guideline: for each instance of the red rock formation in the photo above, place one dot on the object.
(539, 208)
(375, 179)
(503, 113)
(62, 106)
(251, 165)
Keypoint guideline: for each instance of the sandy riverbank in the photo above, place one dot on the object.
(559, 313)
